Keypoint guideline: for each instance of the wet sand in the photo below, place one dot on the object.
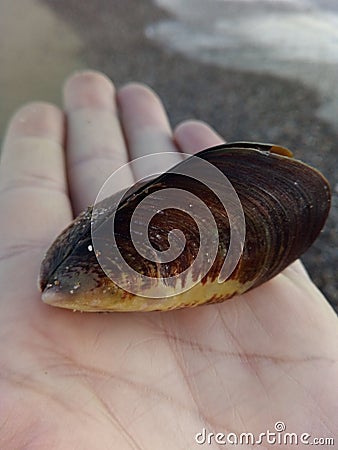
(241, 106)
(37, 50)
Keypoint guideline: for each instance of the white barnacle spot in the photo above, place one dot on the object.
(49, 285)
(71, 291)
(90, 248)
(76, 285)
(97, 213)
(56, 282)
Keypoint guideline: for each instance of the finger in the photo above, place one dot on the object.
(33, 189)
(34, 203)
(95, 143)
(146, 126)
(193, 136)
(297, 267)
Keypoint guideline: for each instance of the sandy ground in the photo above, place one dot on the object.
(37, 50)
(109, 36)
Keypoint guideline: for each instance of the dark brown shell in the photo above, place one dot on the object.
(285, 204)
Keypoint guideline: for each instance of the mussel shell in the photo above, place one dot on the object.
(285, 204)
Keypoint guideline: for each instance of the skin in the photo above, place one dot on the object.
(140, 381)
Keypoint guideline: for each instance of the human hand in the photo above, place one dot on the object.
(139, 380)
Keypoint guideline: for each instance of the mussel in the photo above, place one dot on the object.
(284, 202)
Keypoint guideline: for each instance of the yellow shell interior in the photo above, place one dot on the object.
(114, 299)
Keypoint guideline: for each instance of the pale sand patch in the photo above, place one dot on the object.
(37, 51)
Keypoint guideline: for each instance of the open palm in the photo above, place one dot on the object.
(140, 380)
